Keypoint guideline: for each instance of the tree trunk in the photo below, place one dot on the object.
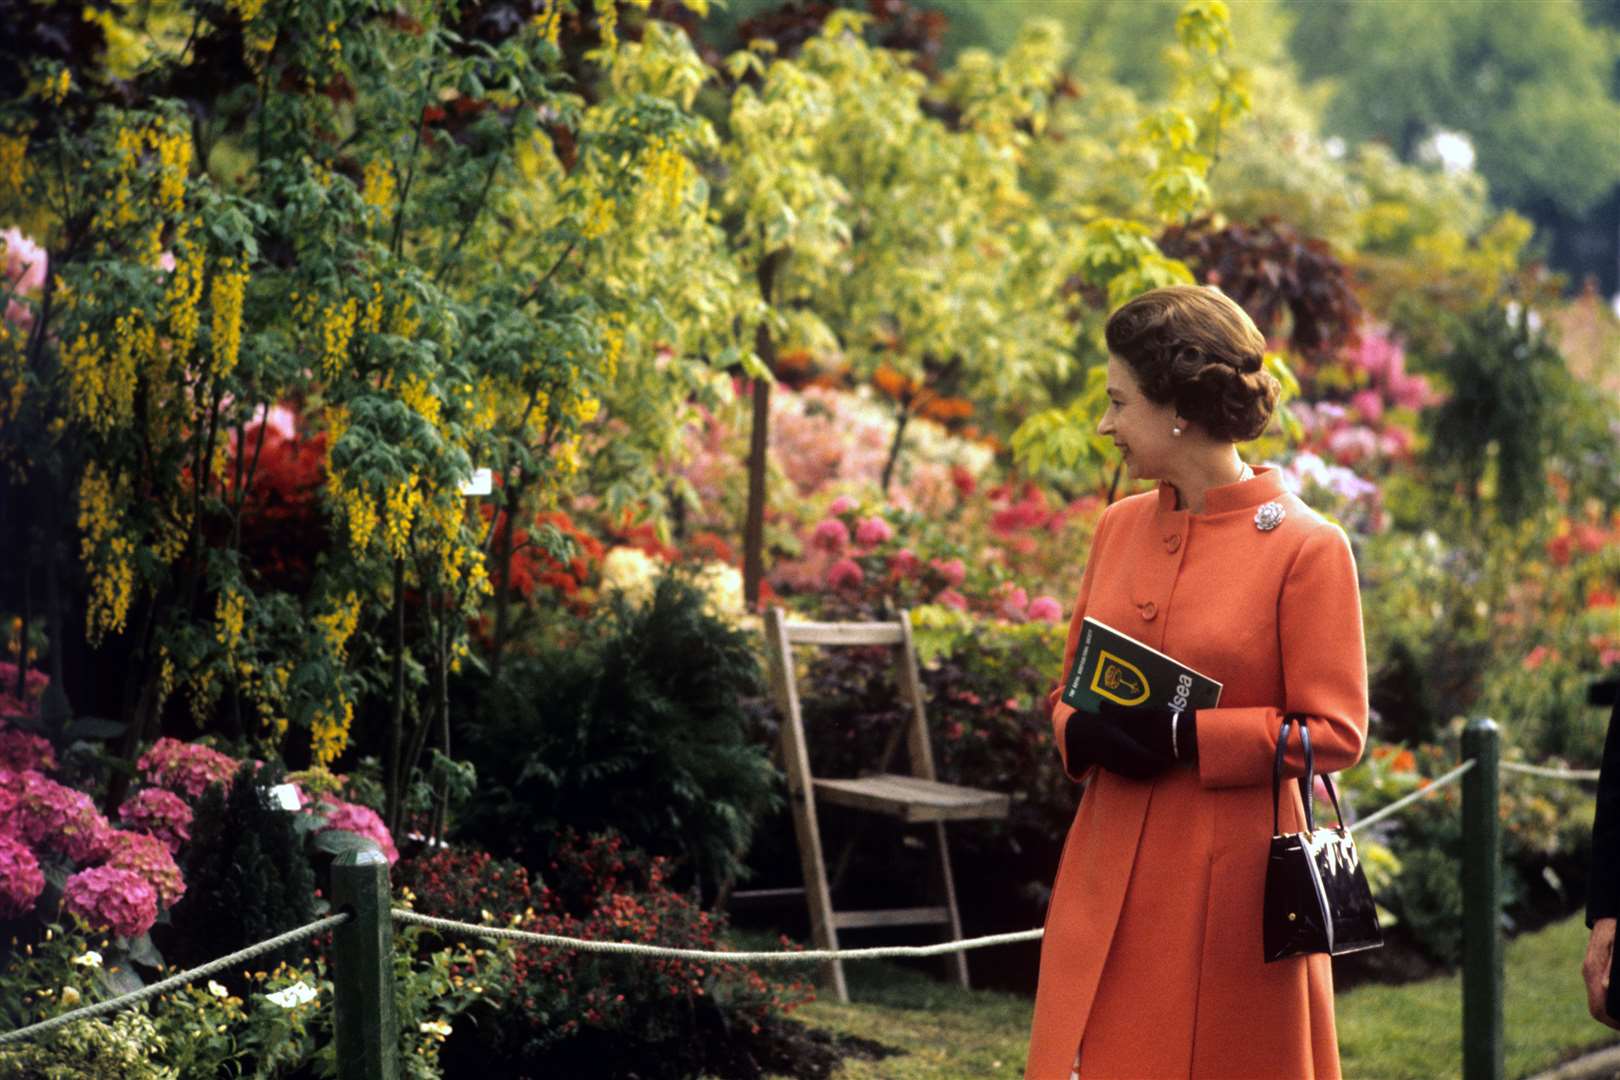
(894, 447)
(759, 444)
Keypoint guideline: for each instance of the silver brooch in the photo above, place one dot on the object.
(1269, 516)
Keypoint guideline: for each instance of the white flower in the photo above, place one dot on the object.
(297, 994)
(722, 585)
(70, 995)
(435, 1027)
(217, 990)
(91, 958)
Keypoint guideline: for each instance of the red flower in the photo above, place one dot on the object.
(844, 572)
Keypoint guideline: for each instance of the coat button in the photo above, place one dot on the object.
(1172, 543)
(1149, 610)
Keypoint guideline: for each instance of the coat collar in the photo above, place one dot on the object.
(1263, 487)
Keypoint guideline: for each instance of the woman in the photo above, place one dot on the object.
(1151, 962)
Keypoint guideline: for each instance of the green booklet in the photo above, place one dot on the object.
(1112, 665)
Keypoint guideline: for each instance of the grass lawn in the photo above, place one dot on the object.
(1411, 1032)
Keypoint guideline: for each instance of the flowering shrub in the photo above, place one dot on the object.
(21, 881)
(567, 1012)
(22, 752)
(150, 858)
(112, 897)
(158, 813)
(185, 768)
(57, 818)
(354, 818)
(33, 685)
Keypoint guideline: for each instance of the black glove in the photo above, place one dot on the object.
(1135, 742)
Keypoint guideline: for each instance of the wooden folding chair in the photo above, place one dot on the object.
(917, 798)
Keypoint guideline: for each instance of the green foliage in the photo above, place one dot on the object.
(122, 1045)
(247, 877)
(639, 725)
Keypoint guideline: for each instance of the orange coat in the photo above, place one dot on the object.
(1151, 963)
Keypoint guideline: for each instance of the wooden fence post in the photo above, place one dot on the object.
(1482, 904)
(367, 1020)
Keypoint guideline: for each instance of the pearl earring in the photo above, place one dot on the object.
(1176, 431)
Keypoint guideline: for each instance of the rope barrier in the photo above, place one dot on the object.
(1428, 789)
(1551, 774)
(637, 949)
(124, 1001)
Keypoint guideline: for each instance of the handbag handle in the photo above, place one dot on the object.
(1306, 782)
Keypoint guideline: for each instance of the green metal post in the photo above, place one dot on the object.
(1482, 904)
(367, 1022)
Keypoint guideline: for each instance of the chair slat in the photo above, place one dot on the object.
(826, 633)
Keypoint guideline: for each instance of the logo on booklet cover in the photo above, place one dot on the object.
(1119, 680)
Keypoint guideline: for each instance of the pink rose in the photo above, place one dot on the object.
(951, 598)
(841, 505)
(874, 530)
(112, 897)
(845, 572)
(830, 535)
(1045, 609)
(951, 570)
(21, 881)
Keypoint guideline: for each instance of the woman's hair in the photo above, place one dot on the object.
(1193, 347)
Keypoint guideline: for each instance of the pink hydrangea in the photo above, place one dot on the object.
(903, 563)
(20, 878)
(113, 897)
(1014, 604)
(148, 857)
(20, 751)
(841, 505)
(1045, 609)
(34, 684)
(830, 535)
(845, 572)
(158, 813)
(185, 768)
(951, 570)
(49, 815)
(352, 817)
(874, 530)
(951, 598)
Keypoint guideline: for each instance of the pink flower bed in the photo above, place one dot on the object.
(20, 751)
(158, 813)
(34, 683)
(21, 881)
(185, 768)
(358, 819)
(49, 815)
(113, 897)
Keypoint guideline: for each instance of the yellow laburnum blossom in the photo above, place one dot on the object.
(107, 556)
(230, 612)
(612, 350)
(405, 323)
(13, 166)
(584, 408)
(358, 511)
(377, 185)
(225, 297)
(335, 419)
(666, 175)
(337, 626)
(337, 328)
(329, 732)
(607, 23)
(402, 503)
(174, 158)
(549, 21)
(181, 298)
(247, 9)
(419, 396)
(371, 321)
(57, 86)
(166, 679)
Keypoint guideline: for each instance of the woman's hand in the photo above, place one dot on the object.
(1133, 742)
(1595, 969)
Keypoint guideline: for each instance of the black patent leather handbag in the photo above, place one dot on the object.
(1317, 898)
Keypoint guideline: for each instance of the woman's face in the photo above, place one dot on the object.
(1139, 427)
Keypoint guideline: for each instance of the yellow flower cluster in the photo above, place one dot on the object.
(359, 511)
(335, 419)
(230, 612)
(549, 21)
(612, 347)
(136, 347)
(87, 377)
(598, 218)
(57, 86)
(108, 557)
(225, 297)
(337, 328)
(166, 676)
(371, 322)
(607, 21)
(247, 9)
(377, 185)
(565, 459)
(267, 691)
(418, 396)
(405, 323)
(13, 166)
(665, 174)
(174, 157)
(401, 505)
(182, 297)
(329, 731)
(584, 408)
(337, 626)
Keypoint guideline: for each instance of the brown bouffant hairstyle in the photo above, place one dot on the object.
(1193, 347)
